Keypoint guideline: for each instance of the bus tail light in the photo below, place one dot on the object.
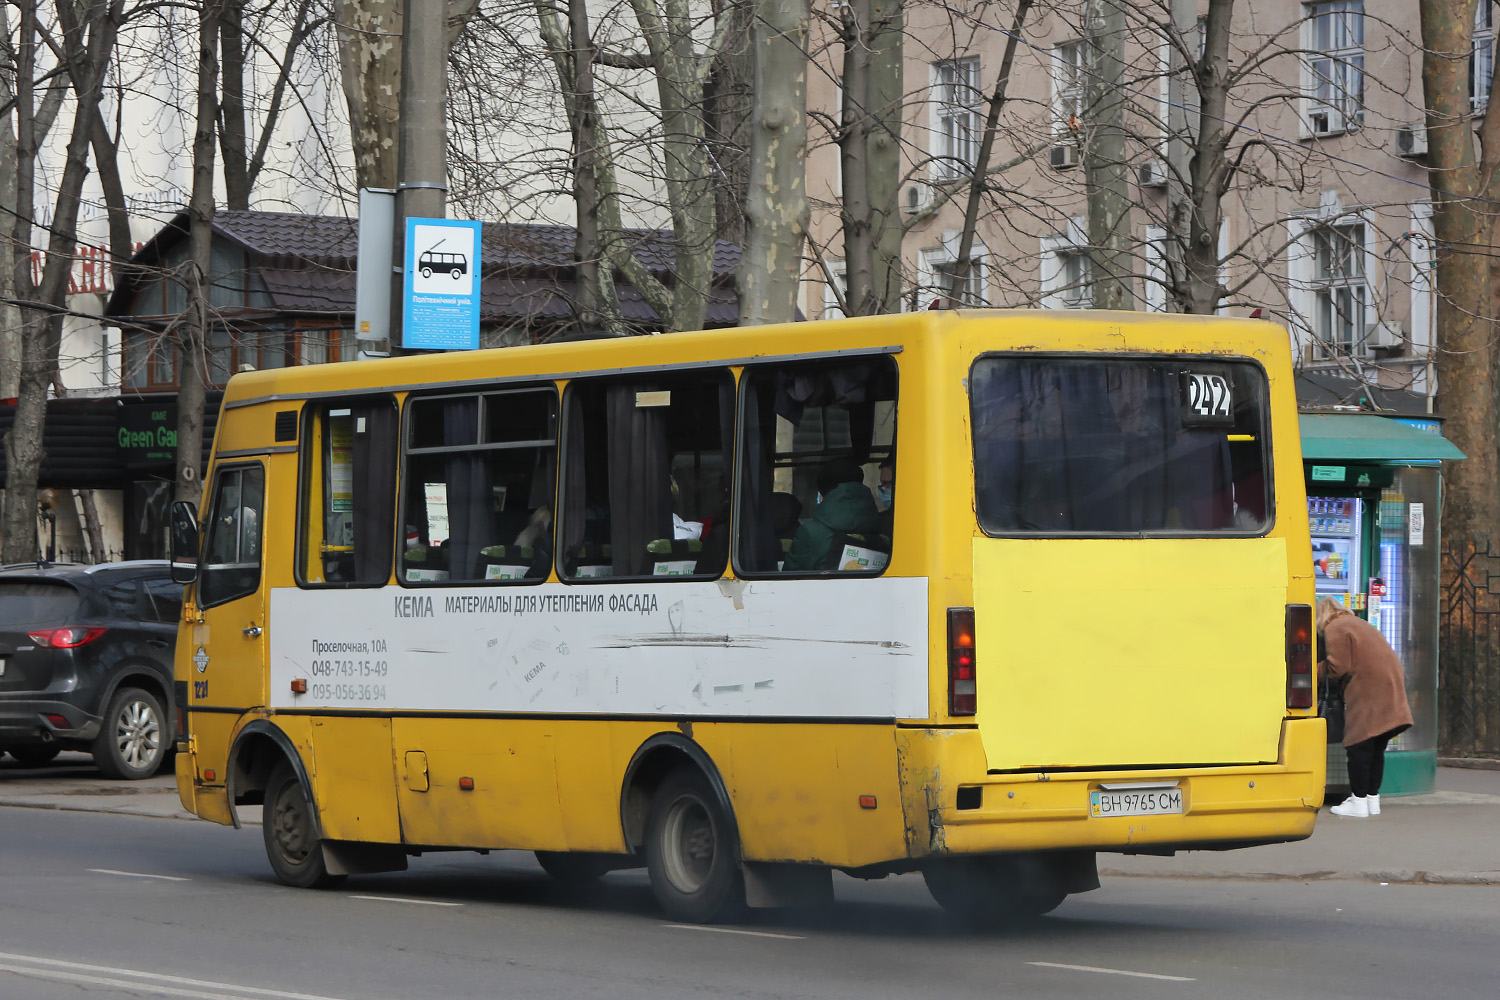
(1299, 661)
(961, 678)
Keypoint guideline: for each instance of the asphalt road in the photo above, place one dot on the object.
(119, 906)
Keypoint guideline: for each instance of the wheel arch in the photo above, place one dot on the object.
(144, 676)
(652, 762)
(254, 754)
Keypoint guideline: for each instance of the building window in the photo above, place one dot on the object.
(937, 270)
(1340, 290)
(1482, 55)
(958, 100)
(1069, 65)
(835, 286)
(1335, 66)
(321, 345)
(1067, 273)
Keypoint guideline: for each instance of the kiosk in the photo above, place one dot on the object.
(1374, 491)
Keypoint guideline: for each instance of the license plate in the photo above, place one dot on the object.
(1136, 802)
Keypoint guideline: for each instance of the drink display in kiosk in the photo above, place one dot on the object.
(1335, 524)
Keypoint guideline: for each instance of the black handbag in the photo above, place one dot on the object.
(1331, 708)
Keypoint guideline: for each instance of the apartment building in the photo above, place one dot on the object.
(1327, 224)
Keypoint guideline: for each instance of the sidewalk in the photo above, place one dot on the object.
(1451, 837)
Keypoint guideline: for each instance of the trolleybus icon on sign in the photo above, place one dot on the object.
(456, 265)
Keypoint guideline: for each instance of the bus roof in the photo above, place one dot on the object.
(1021, 329)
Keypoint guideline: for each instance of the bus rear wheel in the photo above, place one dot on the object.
(292, 844)
(692, 851)
(991, 891)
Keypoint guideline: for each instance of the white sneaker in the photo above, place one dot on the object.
(1372, 803)
(1355, 806)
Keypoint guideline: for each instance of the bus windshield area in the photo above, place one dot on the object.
(1120, 446)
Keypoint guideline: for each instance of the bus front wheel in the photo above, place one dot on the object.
(692, 851)
(992, 891)
(292, 844)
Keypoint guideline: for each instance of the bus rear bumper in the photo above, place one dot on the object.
(1222, 807)
(210, 802)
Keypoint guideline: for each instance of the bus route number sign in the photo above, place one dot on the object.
(1207, 399)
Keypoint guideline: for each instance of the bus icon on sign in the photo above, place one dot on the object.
(456, 264)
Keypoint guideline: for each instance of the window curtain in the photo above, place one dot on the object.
(574, 486)
(640, 477)
(374, 490)
(1089, 447)
(759, 546)
(470, 490)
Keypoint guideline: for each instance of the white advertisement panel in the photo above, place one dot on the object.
(779, 649)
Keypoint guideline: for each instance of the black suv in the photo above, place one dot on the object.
(86, 663)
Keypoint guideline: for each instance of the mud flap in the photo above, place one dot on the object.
(769, 884)
(347, 857)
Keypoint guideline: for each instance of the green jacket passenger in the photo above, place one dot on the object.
(846, 506)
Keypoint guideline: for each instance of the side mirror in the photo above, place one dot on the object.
(184, 542)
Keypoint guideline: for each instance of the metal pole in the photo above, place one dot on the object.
(422, 164)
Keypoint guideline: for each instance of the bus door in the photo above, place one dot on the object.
(228, 654)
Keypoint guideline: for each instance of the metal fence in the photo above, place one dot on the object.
(1469, 650)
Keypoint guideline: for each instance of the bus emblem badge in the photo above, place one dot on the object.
(201, 659)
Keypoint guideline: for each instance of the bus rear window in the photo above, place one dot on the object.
(1119, 446)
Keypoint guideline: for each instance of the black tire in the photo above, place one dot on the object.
(455, 274)
(574, 870)
(693, 851)
(987, 891)
(426, 272)
(132, 740)
(35, 754)
(290, 831)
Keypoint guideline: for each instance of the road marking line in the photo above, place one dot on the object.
(53, 968)
(402, 899)
(1113, 972)
(164, 878)
(733, 930)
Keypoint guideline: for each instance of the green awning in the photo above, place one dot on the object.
(1354, 437)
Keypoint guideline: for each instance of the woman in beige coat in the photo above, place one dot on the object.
(1356, 655)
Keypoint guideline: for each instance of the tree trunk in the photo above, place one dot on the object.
(369, 34)
(887, 107)
(728, 95)
(855, 211)
(1465, 239)
(192, 356)
(90, 45)
(776, 204)
(232, 107)
(1106, 172)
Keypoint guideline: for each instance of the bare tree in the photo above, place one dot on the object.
(87, 32)
(1465, 193)
(776, 205)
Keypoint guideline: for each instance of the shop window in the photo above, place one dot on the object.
(480, 474)
(348, 502)
(645, 477)
(817, 476)
(232, 550)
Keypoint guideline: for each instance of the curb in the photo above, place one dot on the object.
(1474, 763)
(1398, 877)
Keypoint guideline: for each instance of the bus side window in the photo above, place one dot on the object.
(480, 474)
(817, 479)
(646, 478)
(231, 566)
(348, 501)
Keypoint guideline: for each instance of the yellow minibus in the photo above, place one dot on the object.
(972, 594)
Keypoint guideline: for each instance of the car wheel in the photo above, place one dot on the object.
(132, 740)
(291, 835)
(692, 851)
(34, 755)
(987, 892)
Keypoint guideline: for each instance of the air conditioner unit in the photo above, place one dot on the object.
(1152, 174)
(1386, 336)
(917, 199)
(1411, 141)
(1064, 156)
